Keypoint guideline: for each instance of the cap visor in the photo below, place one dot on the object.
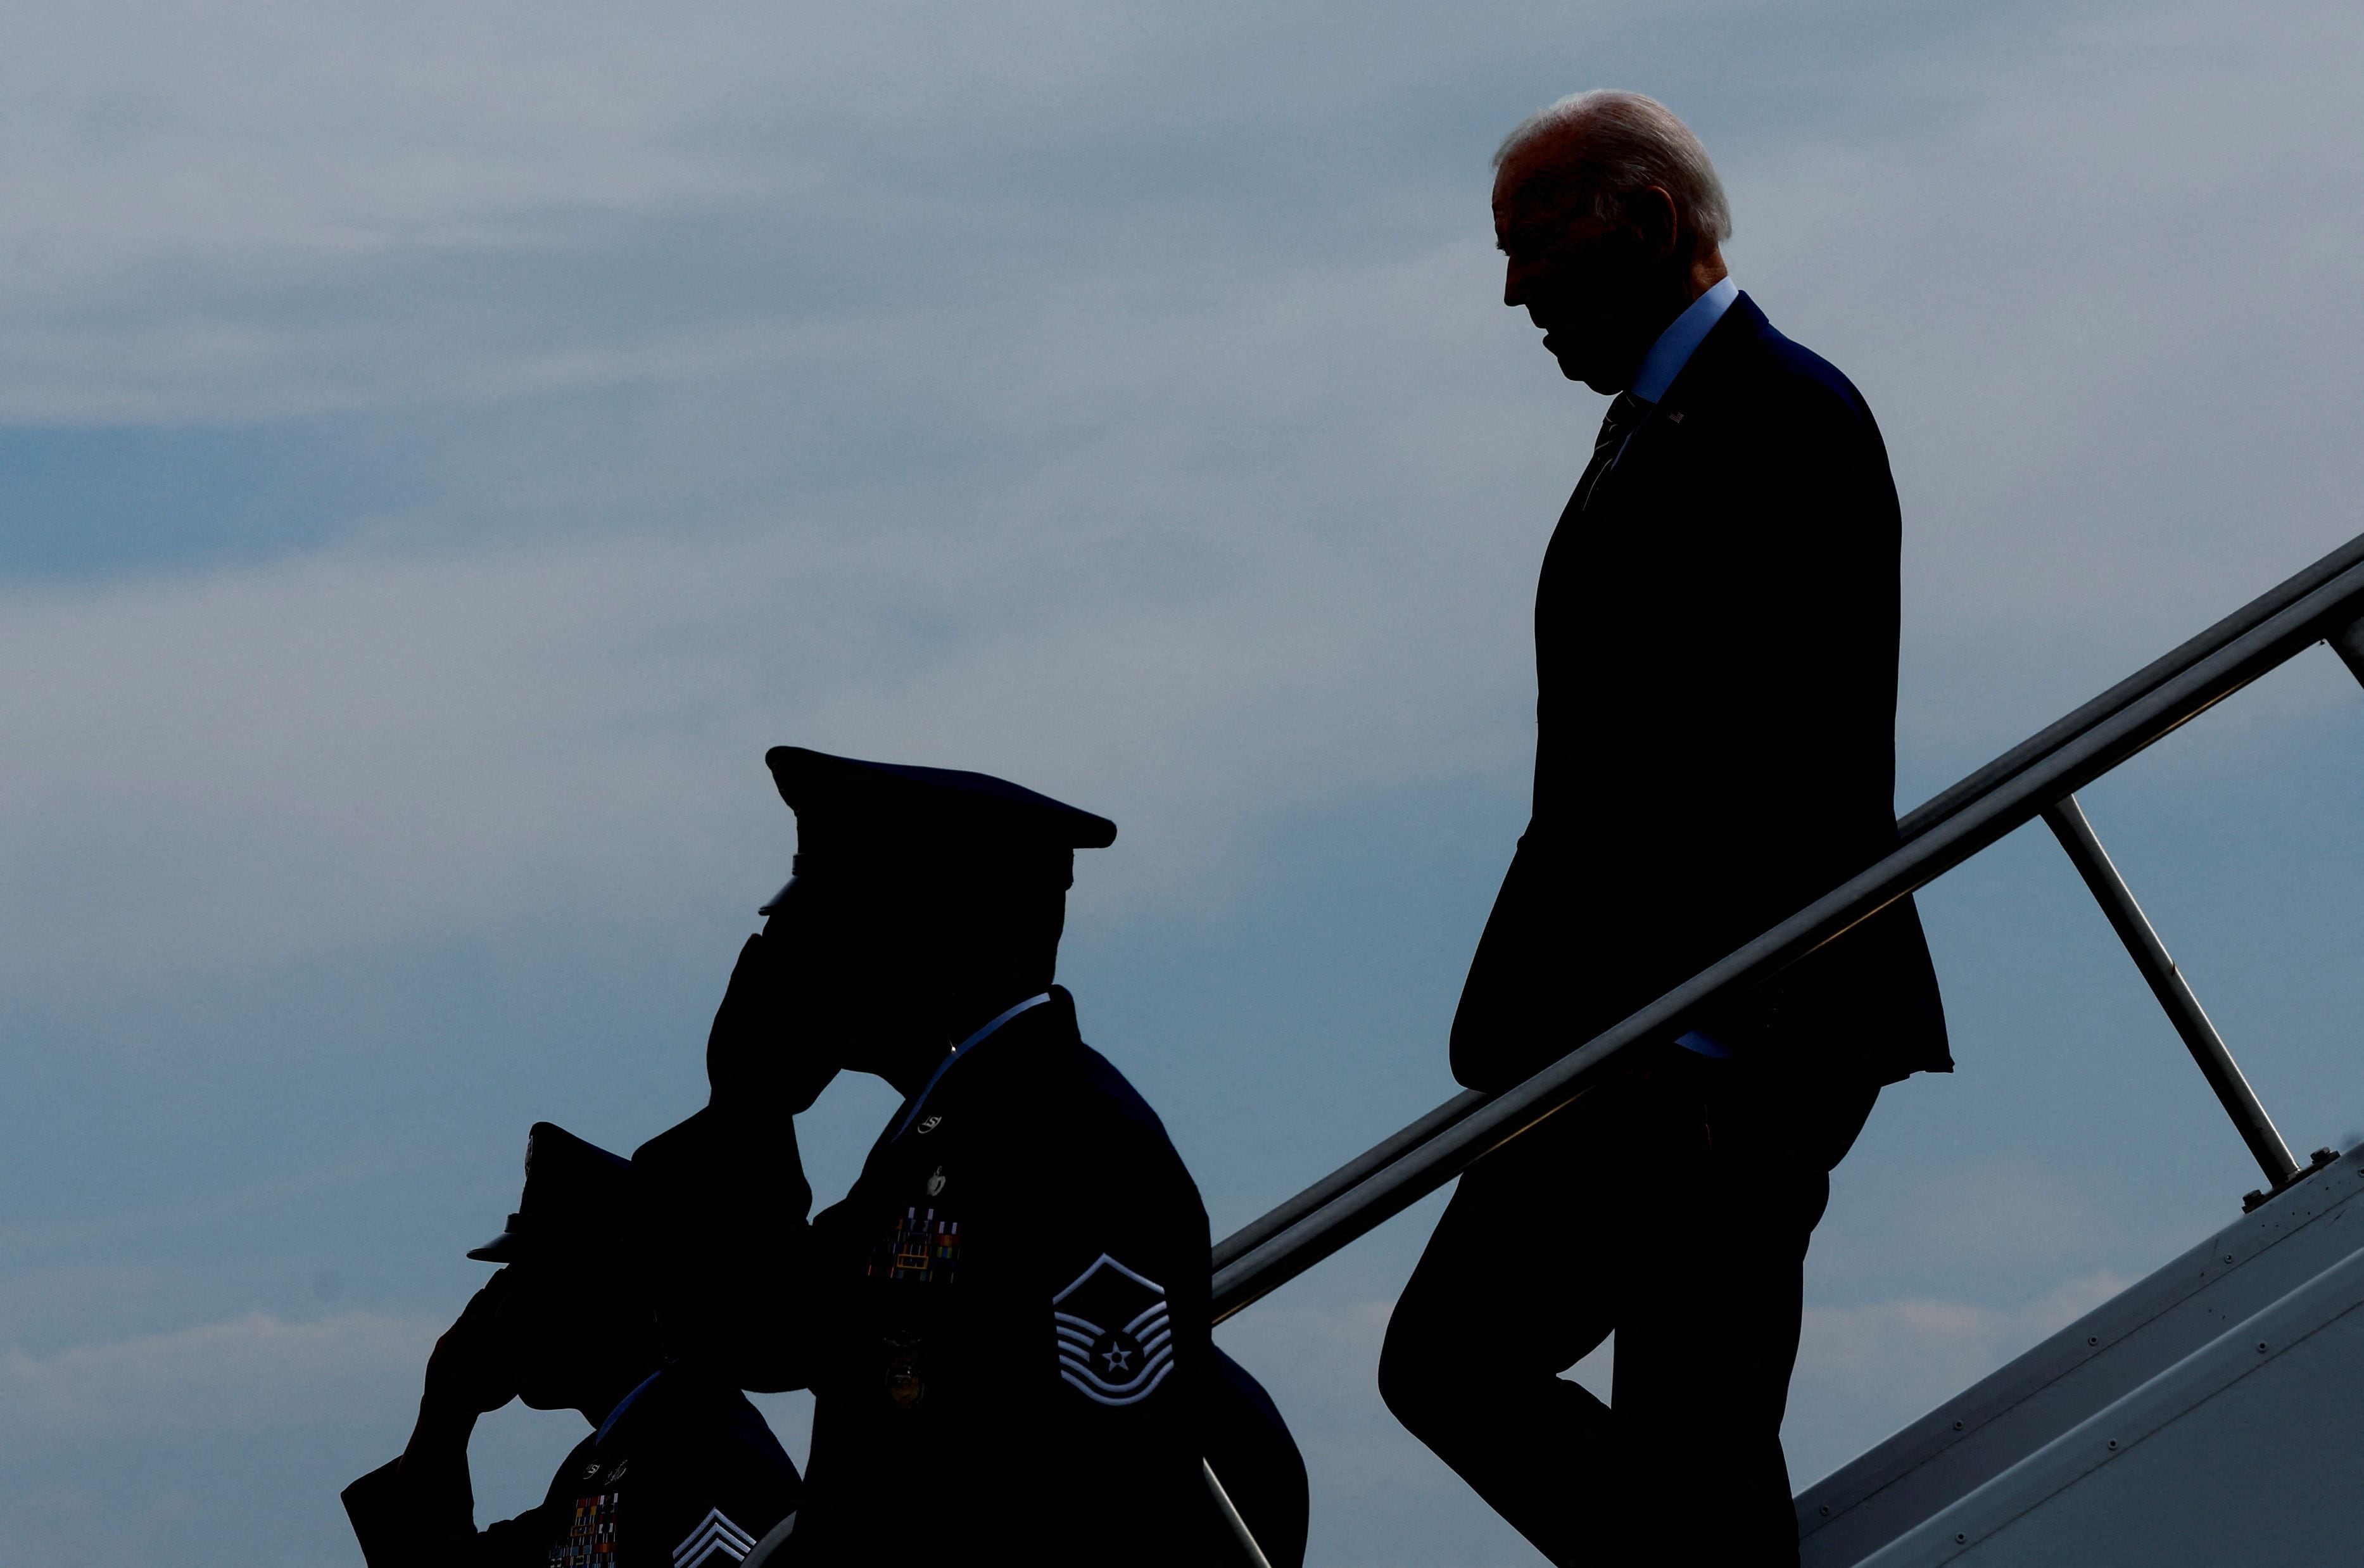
(501, 1249)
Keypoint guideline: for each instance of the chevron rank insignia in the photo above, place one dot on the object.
(1116, 1342)
(716, 1539)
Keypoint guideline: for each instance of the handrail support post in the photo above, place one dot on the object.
(2067, 821)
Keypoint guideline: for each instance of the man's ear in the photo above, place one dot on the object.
(1652, 212)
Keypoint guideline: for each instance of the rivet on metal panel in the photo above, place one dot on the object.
(2261, 1347)
(1826, 1510)
(1960, 1536)
(2114, 1442)
(1958, 1426)
(2228, 1257)
(2092, 1339)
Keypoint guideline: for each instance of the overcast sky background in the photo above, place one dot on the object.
(442, 448)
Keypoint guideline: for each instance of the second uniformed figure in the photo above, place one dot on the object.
(680, 1472)
(1005, 1323)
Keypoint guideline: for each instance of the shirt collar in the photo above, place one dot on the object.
(1684, 333)
(959, 1050)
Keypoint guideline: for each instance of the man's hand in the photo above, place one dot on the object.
(470, 1371)
(719, 1226)
(468, 1375)
(759, 1064)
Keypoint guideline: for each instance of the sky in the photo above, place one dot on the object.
(442, 447)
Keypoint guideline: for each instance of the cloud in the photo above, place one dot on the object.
(227, 1378)
(1114, 399)
(2110, 386)
(1203, 542)
(1862, 1370)
(245, 1377)
(1379, 1494)
(339, 751)
(267, 212)
(1321, 1364)
(1908, 1354)
(469, 733)
(1987, 1211)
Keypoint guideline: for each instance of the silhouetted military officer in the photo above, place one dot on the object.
(1005, 1322)
(681, 1473)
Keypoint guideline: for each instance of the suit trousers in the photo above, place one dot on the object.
(1672, 1206)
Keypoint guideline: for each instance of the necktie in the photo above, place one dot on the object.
(1625, 412)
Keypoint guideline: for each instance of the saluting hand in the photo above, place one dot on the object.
(758, 1061)
(472, 1371)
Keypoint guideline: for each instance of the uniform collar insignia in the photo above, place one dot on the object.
(959, 1050)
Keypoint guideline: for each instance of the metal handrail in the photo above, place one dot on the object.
(1271, 1223)
(2272, 602)
(2322, 600)
(1931, 812)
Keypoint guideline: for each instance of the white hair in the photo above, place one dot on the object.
(1623, 142)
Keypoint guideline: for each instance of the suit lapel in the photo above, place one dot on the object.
(1700, 384)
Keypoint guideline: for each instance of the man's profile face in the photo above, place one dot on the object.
(857, 956)
(1584, 282)
(549, 1333)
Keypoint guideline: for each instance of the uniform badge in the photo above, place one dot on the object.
(921, 1247)
(716, 1538)
(930, 1124)
(905, 1386)
(590, 1535)
(1116, 1341)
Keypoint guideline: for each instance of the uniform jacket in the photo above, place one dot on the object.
(1715, 655)
(686, 1475)
(1015, 1321)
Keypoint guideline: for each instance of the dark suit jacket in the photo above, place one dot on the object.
(1715, 652)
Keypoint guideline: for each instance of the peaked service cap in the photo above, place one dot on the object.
(573, 1190)
(863, 815)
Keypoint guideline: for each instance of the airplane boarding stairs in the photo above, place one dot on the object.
(2211, 1414)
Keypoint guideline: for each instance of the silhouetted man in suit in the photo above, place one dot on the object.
(1715, 648)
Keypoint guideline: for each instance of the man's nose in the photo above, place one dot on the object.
(1514, 284)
